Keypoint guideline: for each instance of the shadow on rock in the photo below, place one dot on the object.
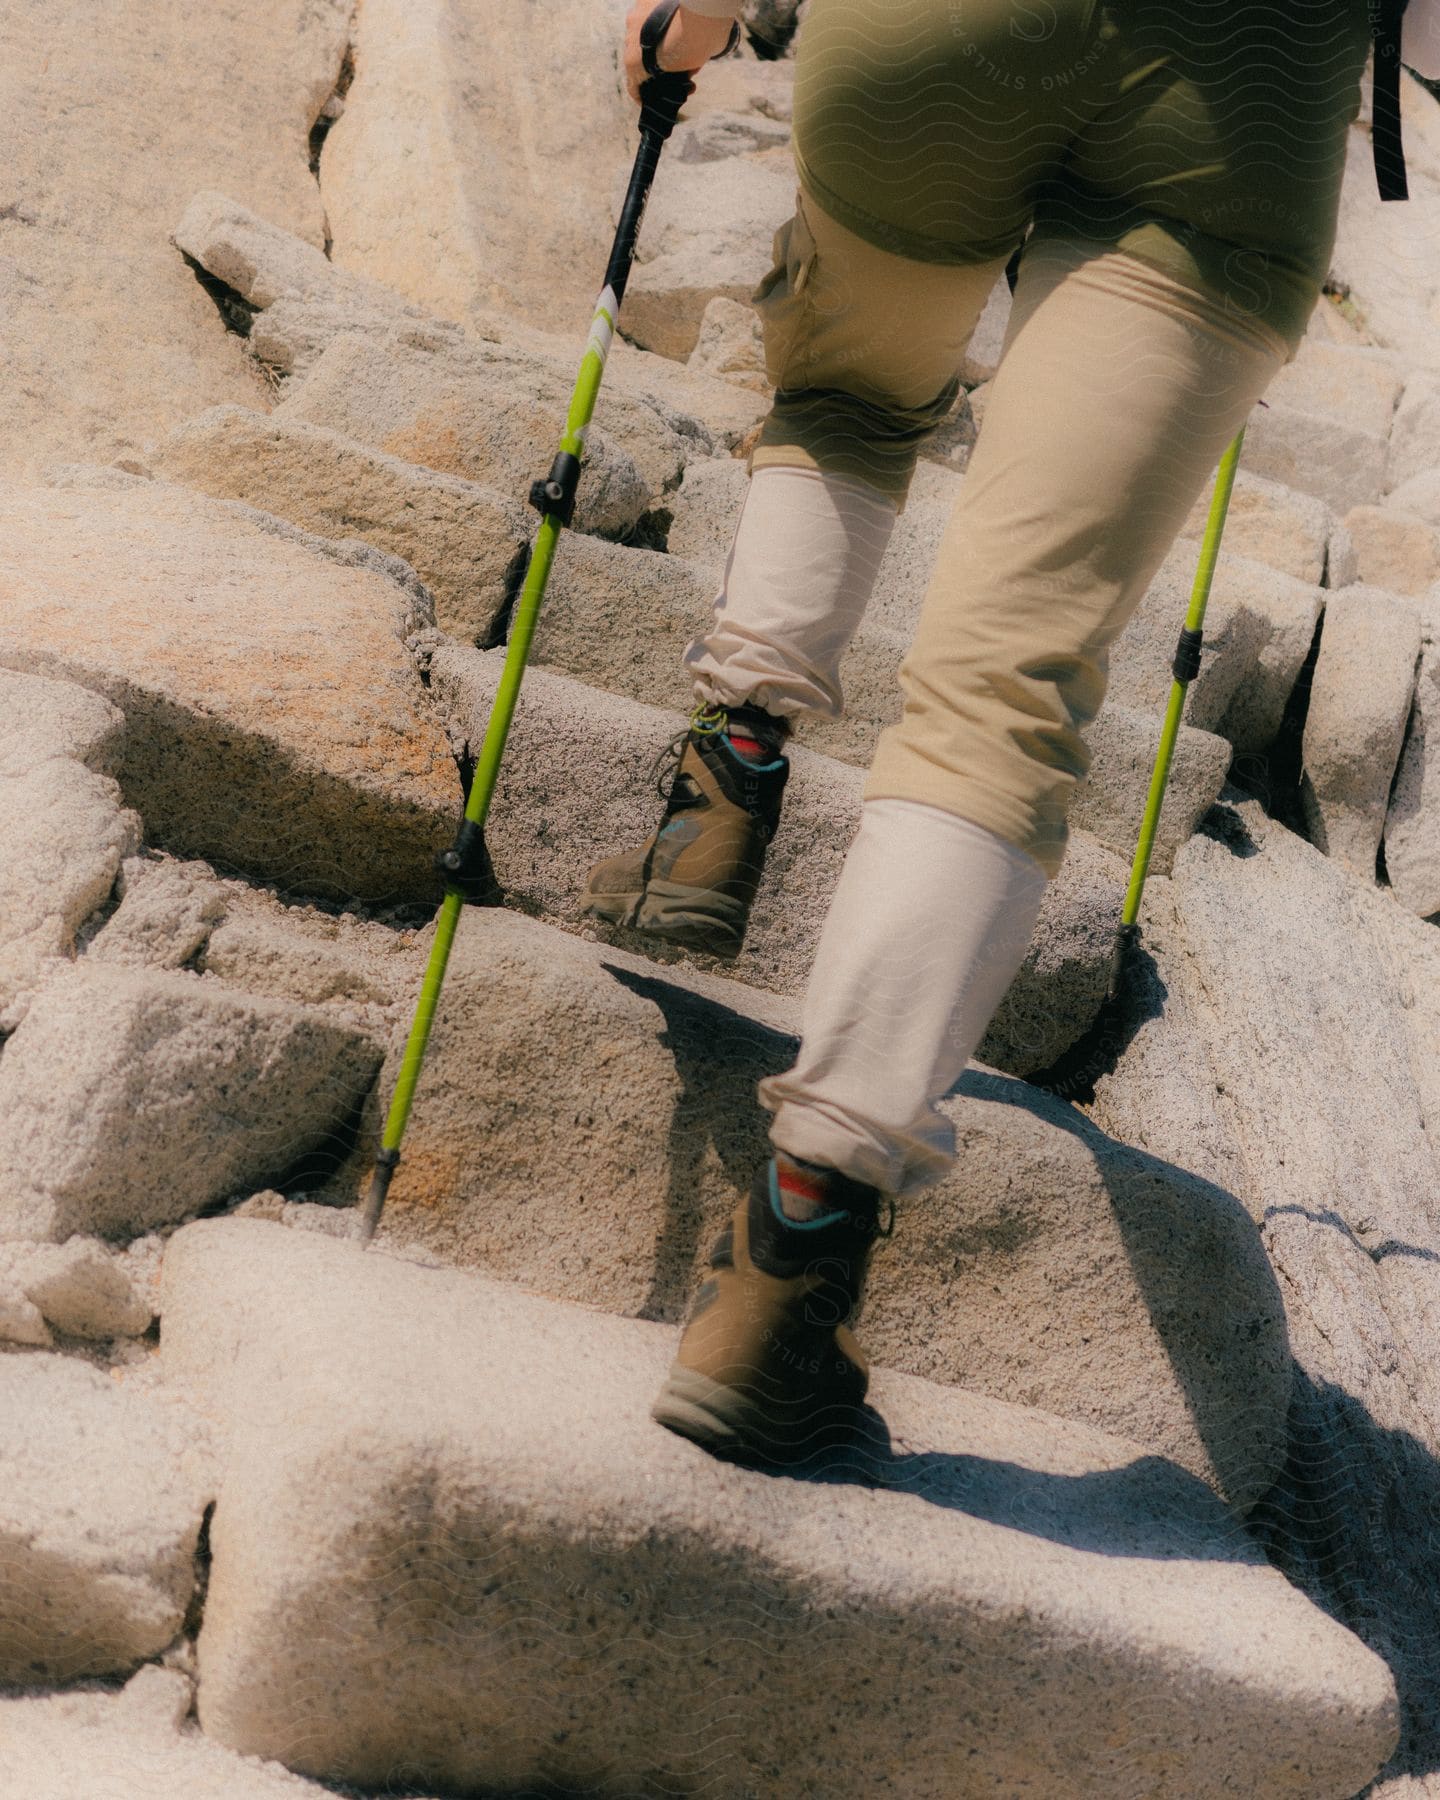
(1139, 1510)
(1376, 1252)
(1203, 1298)
(719, 1056)
(1354, 1522)
(1137, 995)
(1200, 1270)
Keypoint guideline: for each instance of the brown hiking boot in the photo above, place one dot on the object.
(695, 879)
(767, 1370)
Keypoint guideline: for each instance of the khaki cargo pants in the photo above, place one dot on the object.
(1178, 169)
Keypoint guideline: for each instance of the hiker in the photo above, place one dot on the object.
(1173, 173)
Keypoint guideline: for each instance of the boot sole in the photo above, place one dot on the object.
(694, 918)
(731, 1424)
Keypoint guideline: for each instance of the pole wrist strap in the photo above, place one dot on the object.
(652, 33)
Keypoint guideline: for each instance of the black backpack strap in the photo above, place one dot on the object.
(1385, 17)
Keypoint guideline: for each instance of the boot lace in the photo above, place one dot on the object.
(706, 720)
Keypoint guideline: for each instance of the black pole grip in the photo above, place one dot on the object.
(661, 98)
(666, 90)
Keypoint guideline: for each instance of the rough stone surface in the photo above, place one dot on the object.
(1029, 1575)
(1412, 823)
(423, 400)
(552, 818)
(92, 1742)
(1415, 436)
(979, 398)
(1279, 1049)
(327, 1217)
(100, 1508)
(776, 21)
(1063, 980)
(109, 338)
(982, 353)
(949, 445)
(180, 915)
(167, 910)
(1338, 460)
(131, 1098)
(1051, 1267)
(1126, 1294)
(1259, 626)
(1110, 803)
(1419, 496)
(1284, 1049)
(706, 408)
(1273, 524)
(1240, 1083)
(273, 718)
(619, 619)
(1358, 387)
(729, 344)
(63, 830)
(472, 164)
(717, 135)
(142, 1257)
(909, 560)
(21, 1321)
(1342, 560)
(298, 954)
(305, 302)
(1360, 698)
(261, 261)
(705, 508)
(1394, 550)
(1334, 321)
(708, 232)
(294, 299)
(467, 543)
(81, 1287)
(1390, 270)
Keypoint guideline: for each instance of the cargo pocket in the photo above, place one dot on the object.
(782, 301)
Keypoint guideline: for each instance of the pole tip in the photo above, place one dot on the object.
(385, 1165)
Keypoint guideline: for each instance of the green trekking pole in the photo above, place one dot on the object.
(465, 868)
(1185, 668)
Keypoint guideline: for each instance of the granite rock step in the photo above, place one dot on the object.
(555, 814)
(102, 1493)
(274, 721)
(64, 833)
(519, 1579)
(130, 1098)
(586, 1120)
(138, 1744)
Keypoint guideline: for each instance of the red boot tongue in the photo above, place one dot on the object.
(748, 747)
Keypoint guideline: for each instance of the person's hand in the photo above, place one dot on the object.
(689, 43)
